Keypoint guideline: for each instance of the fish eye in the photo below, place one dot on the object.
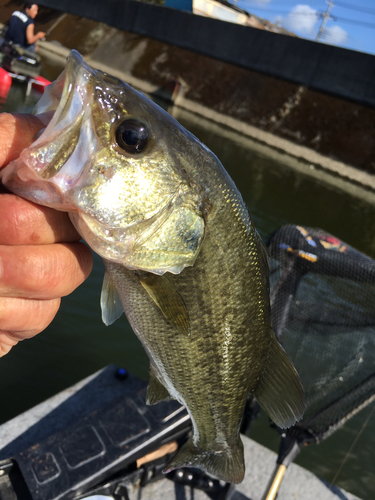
(132, 136)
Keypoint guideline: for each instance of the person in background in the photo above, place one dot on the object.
(41, 256)
(21, 27)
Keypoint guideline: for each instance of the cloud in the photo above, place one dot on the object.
(335, 35)
(301, 19)
(260, 2)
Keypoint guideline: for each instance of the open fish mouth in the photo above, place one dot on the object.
(57, 156)
(131, 208)
(60, 96)
(67, 98)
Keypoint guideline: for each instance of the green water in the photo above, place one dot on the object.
(77, 343)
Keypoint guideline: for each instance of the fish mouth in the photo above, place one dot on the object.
(60, 97)
(57, 156)
(68, 99)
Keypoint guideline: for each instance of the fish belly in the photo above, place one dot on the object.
(211, 369)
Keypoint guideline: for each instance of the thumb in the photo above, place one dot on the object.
(17, 132)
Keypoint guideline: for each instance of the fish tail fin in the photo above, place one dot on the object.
(279, 391)
(228, 465)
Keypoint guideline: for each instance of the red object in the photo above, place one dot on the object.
(40, 83)
(5, 83)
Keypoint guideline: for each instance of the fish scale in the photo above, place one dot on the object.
(202, 352)
(182, 256)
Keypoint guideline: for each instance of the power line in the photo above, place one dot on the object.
(355, 7)
(353, 21)
(340, 4)
(316, 14)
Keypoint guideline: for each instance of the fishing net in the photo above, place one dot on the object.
(323, 312)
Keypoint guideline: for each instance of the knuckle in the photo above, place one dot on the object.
(23, 318)
(43, 271)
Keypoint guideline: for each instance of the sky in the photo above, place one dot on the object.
(351, 23)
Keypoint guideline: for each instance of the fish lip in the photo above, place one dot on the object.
(76, 70)
(70, 96)
(67, 100)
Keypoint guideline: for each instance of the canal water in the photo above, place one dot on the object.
(277, 190)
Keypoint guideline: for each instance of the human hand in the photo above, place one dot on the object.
(41, 259)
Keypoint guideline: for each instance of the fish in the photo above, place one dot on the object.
(183, 259)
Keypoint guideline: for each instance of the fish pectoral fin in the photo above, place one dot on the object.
(228, 465)
(169, 301)
(279, 391)
(110, 301)
(156, 391)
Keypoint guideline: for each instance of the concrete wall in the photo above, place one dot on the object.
(338, 128)
(326, 68)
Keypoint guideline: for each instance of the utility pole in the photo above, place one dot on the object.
(325, 15)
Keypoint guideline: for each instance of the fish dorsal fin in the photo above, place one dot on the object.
(110, 301)
(279, 391)
(169, 301)
(156, 391)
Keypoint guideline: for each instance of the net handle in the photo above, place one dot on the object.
(274, 482)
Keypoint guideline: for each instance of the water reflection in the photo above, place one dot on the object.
(277, 192)
(77, 343)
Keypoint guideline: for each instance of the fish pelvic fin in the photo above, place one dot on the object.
(110, 301)
(227, 465)
(156, 391)
(279, 391)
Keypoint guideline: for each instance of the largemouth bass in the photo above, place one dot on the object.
(182, 256)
